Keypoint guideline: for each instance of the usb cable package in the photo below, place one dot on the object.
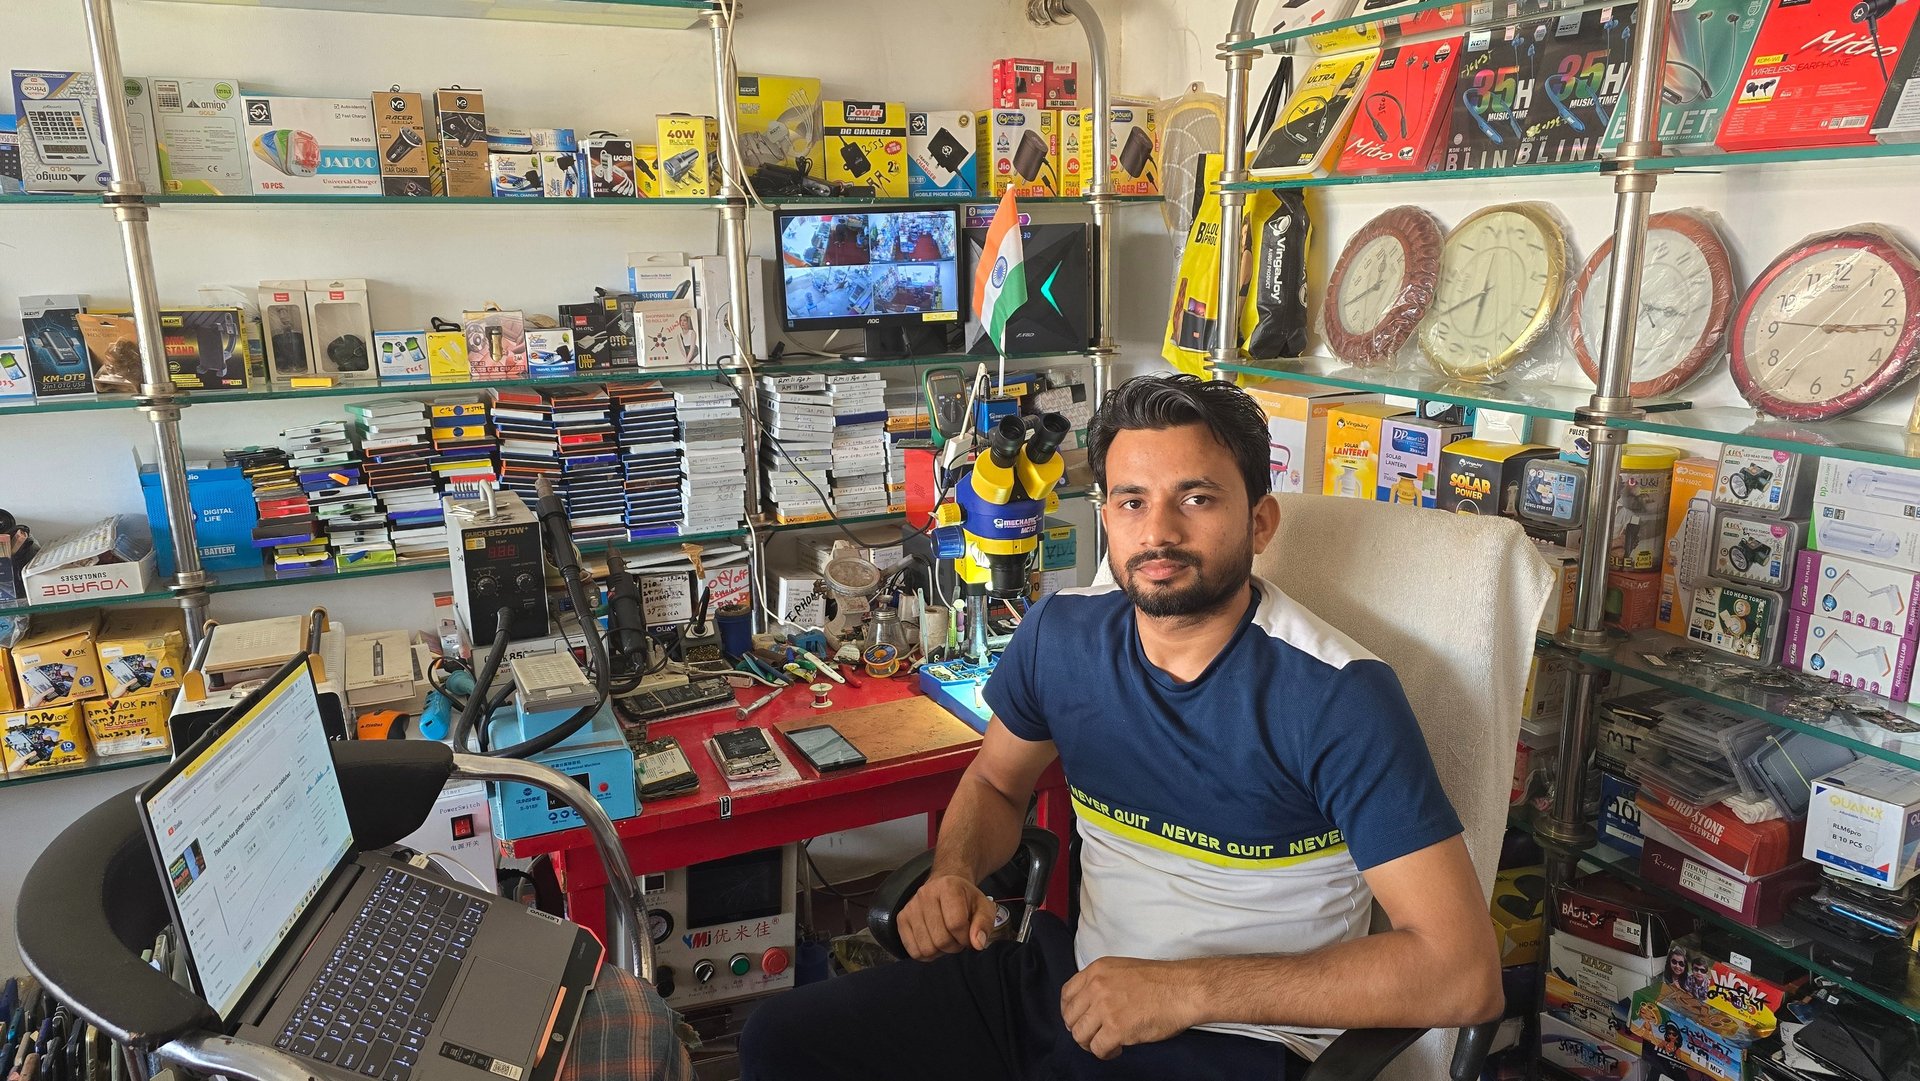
(1859, 592)
(1849, 655)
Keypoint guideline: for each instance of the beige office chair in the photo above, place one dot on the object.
(1451, 603)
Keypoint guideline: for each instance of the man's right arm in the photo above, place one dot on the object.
(978, 836)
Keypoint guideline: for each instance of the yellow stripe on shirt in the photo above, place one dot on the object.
(1203, 847)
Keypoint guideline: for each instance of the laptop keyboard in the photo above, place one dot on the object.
(370, 1009)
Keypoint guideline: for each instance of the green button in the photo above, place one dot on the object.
(740, 965)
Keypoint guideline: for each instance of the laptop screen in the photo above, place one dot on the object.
(249, 830)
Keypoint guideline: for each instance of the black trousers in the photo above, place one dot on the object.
(974, 1016)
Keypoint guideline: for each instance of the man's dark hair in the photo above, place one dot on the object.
(1156, 402)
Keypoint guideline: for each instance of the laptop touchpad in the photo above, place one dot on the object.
(501, 1011)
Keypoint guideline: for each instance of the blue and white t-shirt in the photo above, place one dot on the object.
(1233, 814)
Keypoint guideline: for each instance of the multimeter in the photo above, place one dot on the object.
(946, 390)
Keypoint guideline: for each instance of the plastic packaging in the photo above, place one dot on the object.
(1870, 661)
(1755, 551)
(1503, 276)
(1858, 592)
(1640, 506)
(1830, 326)
(1687, 294)
(1367, 318)
(1770, 482)
(1742, 621)
(1554, 492)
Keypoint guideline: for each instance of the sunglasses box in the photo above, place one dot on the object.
(1669, 863)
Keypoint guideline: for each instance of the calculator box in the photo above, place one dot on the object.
(63, 146)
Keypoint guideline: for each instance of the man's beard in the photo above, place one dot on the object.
(1213, 587)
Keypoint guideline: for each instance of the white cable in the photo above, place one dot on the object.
(450, 864)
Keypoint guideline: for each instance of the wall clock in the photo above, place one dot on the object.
(1687, 295)
(1382, 286)
(1502, 273)
(1829, 327)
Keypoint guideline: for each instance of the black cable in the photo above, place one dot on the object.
(483, 679)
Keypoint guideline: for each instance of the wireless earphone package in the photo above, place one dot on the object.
(1817, 74)
(1313, 126)
(1539, 92)
(1403, 110)
(1707, 44)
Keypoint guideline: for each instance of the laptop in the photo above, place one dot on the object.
(352, 962)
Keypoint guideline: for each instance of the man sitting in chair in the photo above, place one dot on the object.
(1246, 780)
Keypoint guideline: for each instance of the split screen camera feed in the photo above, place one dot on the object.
(851, 266)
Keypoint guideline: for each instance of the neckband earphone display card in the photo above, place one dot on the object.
(1314, 124)
(1402, 110)
(1817, 74)
(1581, 60)
(1493, 92)
(1707, 44)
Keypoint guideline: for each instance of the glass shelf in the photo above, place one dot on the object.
(1854, 440)
(21, 608)
(108, 766)
(1549, 402)
(1558, 168)
(936, 200)
(319, 199)
(881, 519)
(263, 576)
(1716, 161)
(68, 405)
(812, 365)
(1779, 941)
(1442, 18)
(17, 198)
(655, 14)
(1894, 736)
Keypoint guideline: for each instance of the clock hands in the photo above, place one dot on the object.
(1837, 328)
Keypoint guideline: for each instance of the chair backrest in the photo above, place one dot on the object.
(1451, 603)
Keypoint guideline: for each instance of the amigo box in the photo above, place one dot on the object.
(1863, 822)
(1297, 429)
(689, 149)
(1815, 77)
(1410, 459)
(940, 153)
(1017, 150)
(311, 146)
(199, 134)
(1356, 435)
(866, 143)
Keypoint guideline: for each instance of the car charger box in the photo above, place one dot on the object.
(866, 144)
(1017, 150)
(409, 169)
(689, 148)
(311, 146)
(940, 153)
(461, 126)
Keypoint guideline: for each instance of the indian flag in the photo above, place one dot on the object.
(999, 282)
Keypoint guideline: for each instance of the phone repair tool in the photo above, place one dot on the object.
(946, 390)
(811, 661)
(820, 693)
(999, 506)
(749, 710)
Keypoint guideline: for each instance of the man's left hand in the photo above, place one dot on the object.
(1117, 1002)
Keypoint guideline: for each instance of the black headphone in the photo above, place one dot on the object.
(1871, 12)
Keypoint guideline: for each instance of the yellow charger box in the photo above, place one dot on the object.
(9, 690)
(1133, 148)
(57, 661)
(1355, 434)
(646, 170)
(141, 648)
(447, 356)
(43, 739)
(866, 143)
(779, 121)
(1519, 914)
(689, 149)
(134, 724)
(1018, 150)
(1076, 146)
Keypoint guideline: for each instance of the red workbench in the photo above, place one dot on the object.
(715, 821)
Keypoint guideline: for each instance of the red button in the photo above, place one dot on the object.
(774, 961)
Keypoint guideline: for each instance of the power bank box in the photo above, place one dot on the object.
(461, 126)
(197, 139)
(1017, 150)
(779, 120)
(408, 169)
(311, 146)
(940, 153)
(689, 156)
(866, 143)
(1815, 77)
(56, 352)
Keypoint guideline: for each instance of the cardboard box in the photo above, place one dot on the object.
(1604, 910)
(57, 661)
(1748, 999)
(1297, 429)
(141, 649)
(43, 740)
(1872, 661)
(1482, 477)
(1857, 591)
(1863, 822)
(9, 686)
(134, 724)
(461, 126)
(779, 121)
(1898, 120)
(610, 168)
(603, 332)
(1607, 1020)
(15, 383)
(866, 144)
(1815, 77)
(560, 175)
(690, 156)
(1557, 617)
(1062, 87)
(206, 348)
(1633, 599)
(1545, 698)
(1420, 78)
(1583, 1055)
(550, 353)
(311, 146)
(1712, 39)
(940, 153)
(1600, 972)
(515, 176)
(1017, 150)
(224, 516)
(62, 143)
(1410, 449)
(1689, 507)
(1356, 439)
(56, 351)
(400, 355)
(1519, 894)
(199, 135)
(1753, 901)
(1753, 849)
(1682, 1027)
(107, 559)
(1133, 147)
(400, 131)
(646, 168)
(1019, 83)
(447, 356)
(1878, 538)
(713, 295)
(1620, 814)
(1075, 141)
(342, 327)
(286, 329)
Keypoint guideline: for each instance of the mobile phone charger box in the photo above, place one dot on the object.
(401, 355)
(141, 649)
(610, 168)
(1356, 437)
(311, 146)
(43, 740)
(1870, 661)
(1133, 148)
(224, 516)
(1019, 83)
(550, 353)
(1410, 449)
(447, 356)
(409, 167)
(1878, 538)
(1859, 592)
(940, 153)
(131, 724)
(779, 120)
(1075, 141)
(866, 145)
(57, 661)
(1863, 822)
(1061, 89)
(342, 327)
(1017, 150)
(15, 383)
(689, 148)
(461, 126)
(515, 176)
(560, 174)
(496, 344)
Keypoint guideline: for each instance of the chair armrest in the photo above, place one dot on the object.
(1470, 1054)
(389, 786)
(212, 1055)
(892, 897)
(1028, 871)
(1359, 1054)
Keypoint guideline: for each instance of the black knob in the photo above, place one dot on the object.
(663, 980)
(703, 970)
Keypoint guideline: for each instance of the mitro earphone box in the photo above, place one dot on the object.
(1707, 44)
(1403, 109)
(1898, 120)
(1817, 74)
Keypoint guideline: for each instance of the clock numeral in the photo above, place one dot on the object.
(1877, 356)
(1773, 358)
(1788, 302)
(1888, 302)
(1893, 328)
(1813, 282)
(1844, 273)
(1773, 328)
(1846, 378)
(1815, 388)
